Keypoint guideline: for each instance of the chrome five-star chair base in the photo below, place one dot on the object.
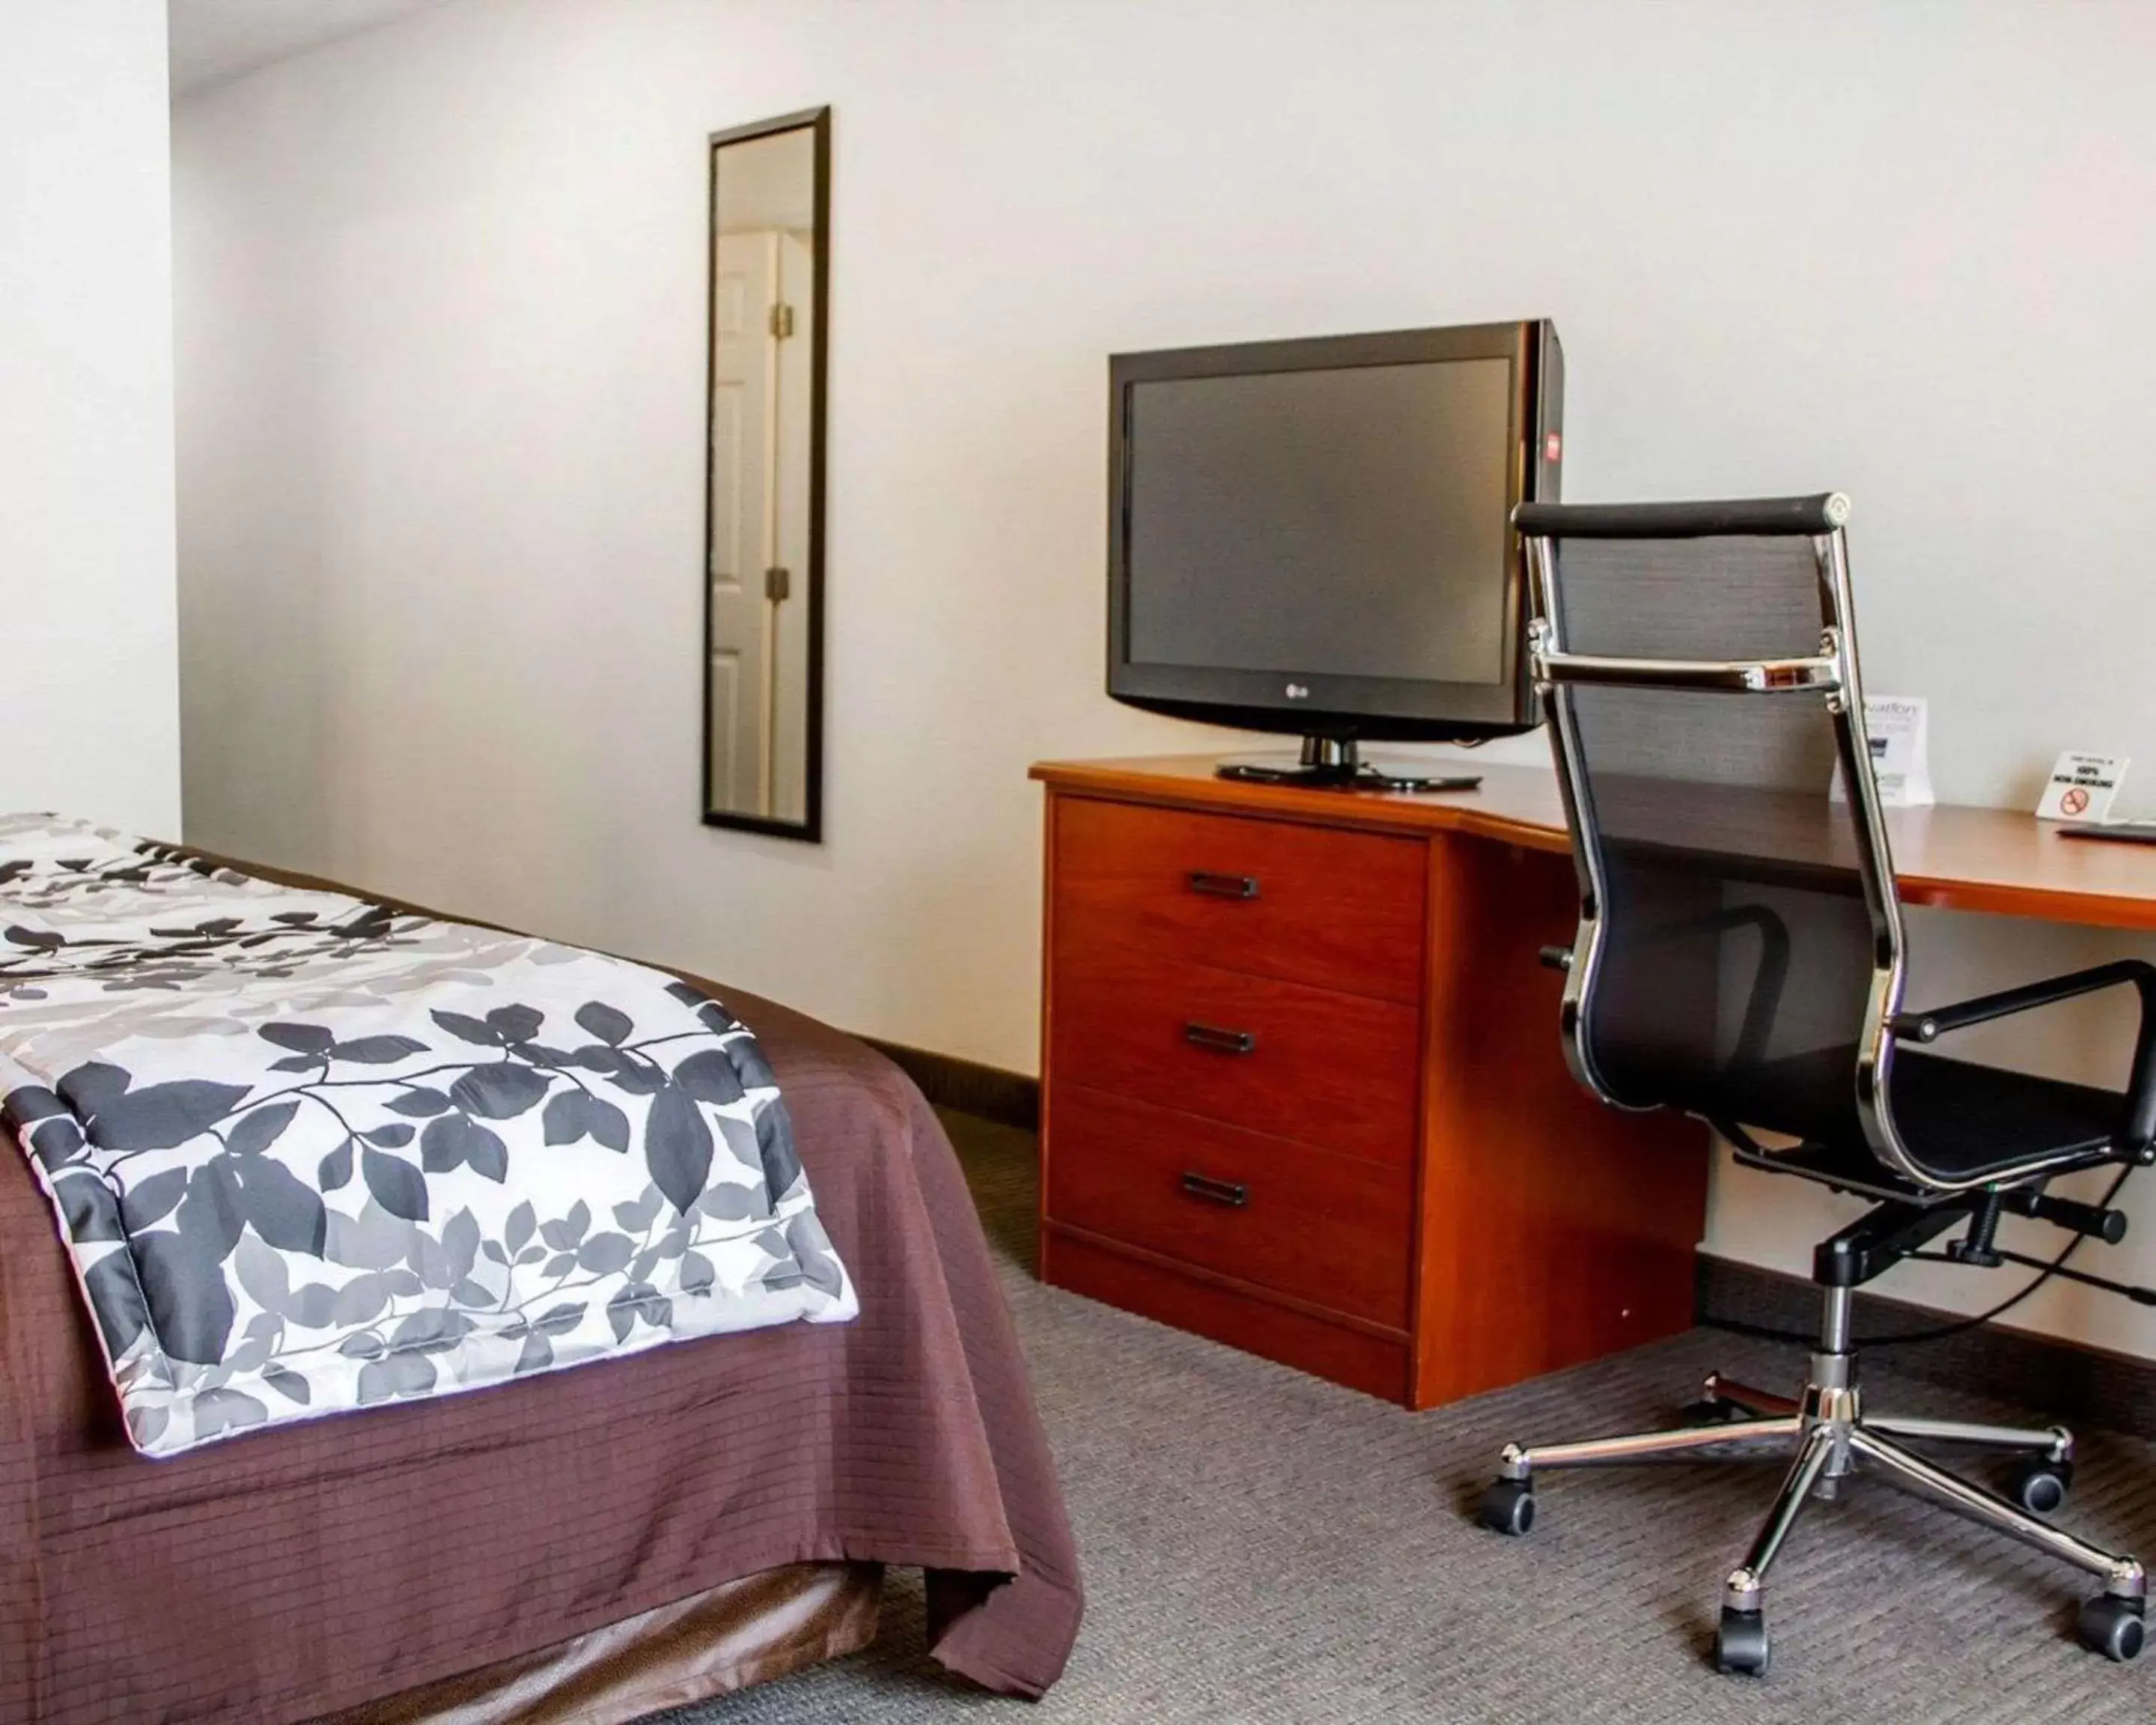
(1826, 1436)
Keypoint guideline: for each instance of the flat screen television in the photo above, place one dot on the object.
(1315, 536)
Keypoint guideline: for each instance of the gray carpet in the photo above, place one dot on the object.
(1261, 1546)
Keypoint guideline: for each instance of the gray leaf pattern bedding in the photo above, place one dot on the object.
(308, 1153)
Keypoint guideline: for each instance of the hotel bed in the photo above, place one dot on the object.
(593, 1544)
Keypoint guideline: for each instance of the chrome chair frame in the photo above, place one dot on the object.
(1824, 1432)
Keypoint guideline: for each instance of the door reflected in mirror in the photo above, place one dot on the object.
(763, 564)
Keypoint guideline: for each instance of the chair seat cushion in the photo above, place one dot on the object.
(1961, 1120)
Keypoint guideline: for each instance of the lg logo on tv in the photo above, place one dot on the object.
(1295, 691)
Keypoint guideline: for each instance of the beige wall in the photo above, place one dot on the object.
(88, 695)
(441, 292)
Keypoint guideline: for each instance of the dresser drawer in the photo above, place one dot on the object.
(1337, 1071)
(1334, 909)
(1321, 1227)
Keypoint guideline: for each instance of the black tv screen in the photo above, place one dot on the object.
(1317, 536)
(1348, 522)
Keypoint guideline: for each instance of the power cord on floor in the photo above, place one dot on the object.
(1765, 1333)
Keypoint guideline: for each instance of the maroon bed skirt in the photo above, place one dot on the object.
(726, 1638)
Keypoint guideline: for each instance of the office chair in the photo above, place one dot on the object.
(1739, 957)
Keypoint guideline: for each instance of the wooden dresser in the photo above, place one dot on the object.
(1303, 1093)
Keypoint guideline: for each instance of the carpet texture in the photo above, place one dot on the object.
(1261, 1546)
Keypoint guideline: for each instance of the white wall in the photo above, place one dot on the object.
(441, 351)
(88, 695)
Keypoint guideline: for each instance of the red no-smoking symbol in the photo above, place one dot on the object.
(2073, 800)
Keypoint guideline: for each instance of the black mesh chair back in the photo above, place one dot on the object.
(1740, 945)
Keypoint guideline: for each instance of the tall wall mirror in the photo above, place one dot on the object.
(764, 540)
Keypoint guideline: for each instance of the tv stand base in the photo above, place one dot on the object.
(1336, 763)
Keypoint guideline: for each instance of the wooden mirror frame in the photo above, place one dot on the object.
(809, 828)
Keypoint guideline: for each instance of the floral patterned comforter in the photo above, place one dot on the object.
(308, 1153)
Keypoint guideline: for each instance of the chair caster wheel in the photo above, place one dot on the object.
(1507, 1506)
(2112, 1627)
(1740, 1642)
(2040, 1485)
(1710, 1410)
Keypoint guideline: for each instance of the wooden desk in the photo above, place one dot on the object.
(1961, 858)
(1302, 1089)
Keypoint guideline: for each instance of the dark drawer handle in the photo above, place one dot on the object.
(1224, 885)
(1233, 1042)
(1230, 1193)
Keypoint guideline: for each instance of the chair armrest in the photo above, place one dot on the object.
(2141, 1086)
(1929, 1026)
